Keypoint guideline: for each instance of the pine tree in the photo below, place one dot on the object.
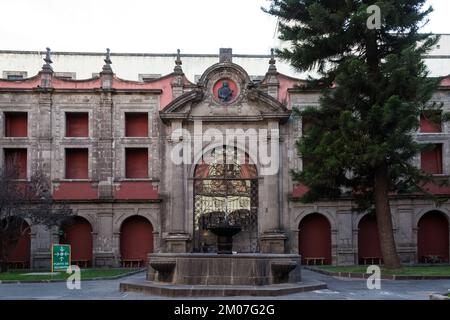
(374, 87)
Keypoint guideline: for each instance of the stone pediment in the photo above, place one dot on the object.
(225, 93)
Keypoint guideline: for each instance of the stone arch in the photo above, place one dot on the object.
(92, 219)
(327, 215)
(433, 237)
(368, 239)
(419, 214)
(136, 239)
(315, 238)
(79, 234)
(118, 221)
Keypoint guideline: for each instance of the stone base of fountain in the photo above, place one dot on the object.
(196, 274)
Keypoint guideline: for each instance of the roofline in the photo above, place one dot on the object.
(102, 54)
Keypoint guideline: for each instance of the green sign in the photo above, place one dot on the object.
(60, 256)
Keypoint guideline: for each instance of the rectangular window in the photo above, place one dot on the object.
(136, 124)
(14, 77)
(16, 124)
(427, 125)
(77, 124)
(16, 162)
(149, 77)
(431, 161)
(77, 163)
(65, 75)
(136, 163)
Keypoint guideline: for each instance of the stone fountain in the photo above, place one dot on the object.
(222, 273)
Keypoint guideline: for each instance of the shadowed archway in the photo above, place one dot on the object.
(78, 233)
(433, 237)
(136, 241)
(315, 239)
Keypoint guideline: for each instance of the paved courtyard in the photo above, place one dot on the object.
(345, 289)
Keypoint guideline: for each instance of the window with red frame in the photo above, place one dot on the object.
(77, 124)
(16, 162)
(428, 124)
(16, 124)
(77, 163)
(431, 161)
(136, 163)
(136, 124)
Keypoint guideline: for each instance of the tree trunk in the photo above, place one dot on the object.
(384, 220)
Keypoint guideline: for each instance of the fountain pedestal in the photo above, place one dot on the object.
(225, 233)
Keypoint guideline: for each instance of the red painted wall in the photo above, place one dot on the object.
(136, 163)
(77, 164)
(299, 190)
(75, 191)
(77, 124)
(16, 159)
(136, 124)
(16, 124)
(431, 161)
(22, 250)
(136, 190)
(79, 236)
(433, 235)
(315, 237)
(136, 238)
(368, 239)
(426, 126)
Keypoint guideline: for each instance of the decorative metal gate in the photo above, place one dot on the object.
(226, 185)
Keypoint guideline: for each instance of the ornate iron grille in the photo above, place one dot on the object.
(226, 185)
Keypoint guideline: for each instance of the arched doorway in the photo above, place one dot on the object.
(225, 185)
(369, 250)
(433, 237)
(315, 239)
(19, 256)
(136, 241)
(78, 233)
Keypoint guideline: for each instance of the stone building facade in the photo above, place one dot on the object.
(109, 147)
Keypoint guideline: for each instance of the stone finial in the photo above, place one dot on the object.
(272, 61)
(48, 61)
(178, 63)
(226, 55)
(108, 62)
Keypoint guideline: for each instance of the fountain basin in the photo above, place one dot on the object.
(215, 269)
(164, 269)
(225, 235)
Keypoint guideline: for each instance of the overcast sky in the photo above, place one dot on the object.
(160, 26)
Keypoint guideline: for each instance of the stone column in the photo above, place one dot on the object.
(104, 155)
(41, 243)
(272, 238)
(404, 235)
(345, 254)
(103, 244)
(177, 237)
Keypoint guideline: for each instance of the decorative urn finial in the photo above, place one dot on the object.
(178, 63)
(108, 62)
(272, 61)
(48, 61)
